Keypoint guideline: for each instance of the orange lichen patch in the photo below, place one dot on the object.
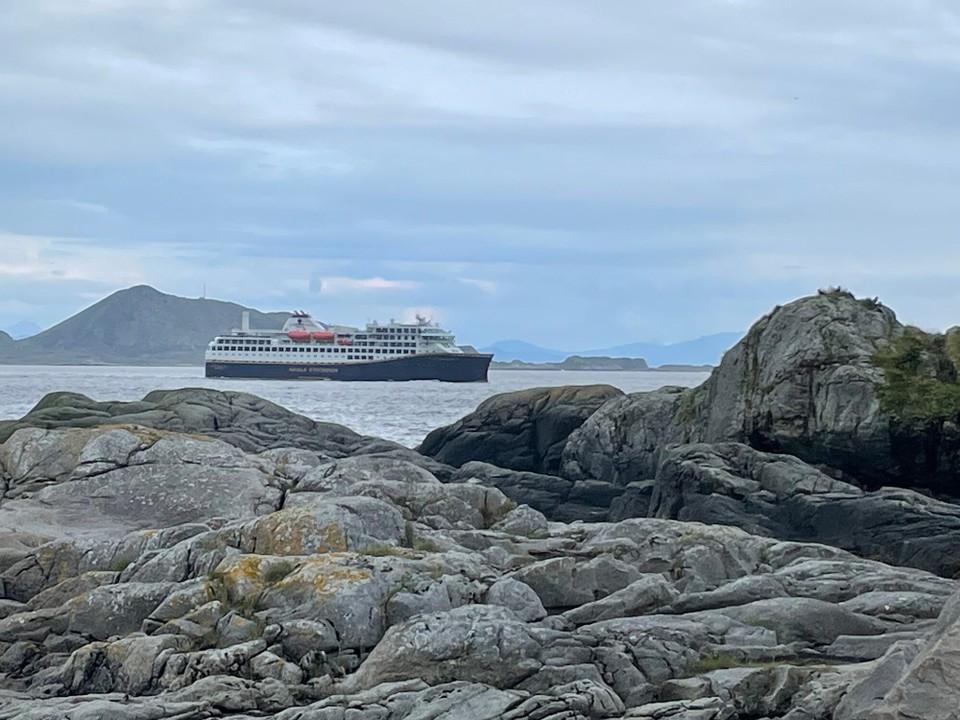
(326, 575)
(145, 434)
(116, 652)
(180, 606)
(240, 577)
(297, 532)
(55, 564)
(149, 435)
(244, 578)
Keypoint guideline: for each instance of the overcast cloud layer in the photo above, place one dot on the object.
(574, 174)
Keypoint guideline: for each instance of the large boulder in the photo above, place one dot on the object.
(102, 482)
(808, 380)
(620, 443)
(783, 497)
(803, 381)
(481, 643)
(524, 430)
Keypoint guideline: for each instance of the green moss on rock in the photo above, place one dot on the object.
(920, 377)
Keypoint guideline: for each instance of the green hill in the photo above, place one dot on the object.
(136, 326)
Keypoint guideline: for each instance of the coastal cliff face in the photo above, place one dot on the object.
(706, 554)
(803, 381)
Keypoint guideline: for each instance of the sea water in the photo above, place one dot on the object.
(401, 411)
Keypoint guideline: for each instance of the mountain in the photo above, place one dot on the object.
(136, 326)
(22, 329)
(509, 350)
(706, 350)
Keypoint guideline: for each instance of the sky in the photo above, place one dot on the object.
(577, 175)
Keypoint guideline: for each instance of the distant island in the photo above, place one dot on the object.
(702, 351)
(578, 362)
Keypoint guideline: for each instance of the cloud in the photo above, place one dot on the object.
(486, 286)
(41, 258)
(647, 171)
(334, 285)
(84, 206)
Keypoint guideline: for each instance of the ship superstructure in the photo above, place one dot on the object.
(307, 348)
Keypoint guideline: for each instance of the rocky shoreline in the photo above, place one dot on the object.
(780, 542)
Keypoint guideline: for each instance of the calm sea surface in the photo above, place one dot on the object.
(403, 411)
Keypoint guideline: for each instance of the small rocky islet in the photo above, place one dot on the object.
(782, 541)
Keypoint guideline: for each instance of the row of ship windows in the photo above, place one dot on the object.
(261, 345)
(339, 350)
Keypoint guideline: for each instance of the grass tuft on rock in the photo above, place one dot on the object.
(382, 550)
(277, 572)
(422, 544)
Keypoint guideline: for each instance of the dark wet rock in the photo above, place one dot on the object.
(781, 496)
(524, 430)
(545, 493)
(558, 499)
(634, 502)
(620, 443)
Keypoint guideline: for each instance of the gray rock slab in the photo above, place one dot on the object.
(481, 643)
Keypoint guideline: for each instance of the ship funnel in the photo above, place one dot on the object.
(245, 322)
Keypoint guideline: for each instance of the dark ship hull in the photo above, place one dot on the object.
(466, 367)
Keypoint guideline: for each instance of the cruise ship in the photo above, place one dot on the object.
(308, 349)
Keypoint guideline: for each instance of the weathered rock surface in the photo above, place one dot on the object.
(781, 496)
(802, 382)
(328, 582)
(245, 421)
(104, 481)
(555, 497)
(620, 443)
(524, 430)
(928, 686)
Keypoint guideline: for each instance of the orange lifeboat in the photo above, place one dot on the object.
(344, 341)
(323, 336)
(299, 335)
